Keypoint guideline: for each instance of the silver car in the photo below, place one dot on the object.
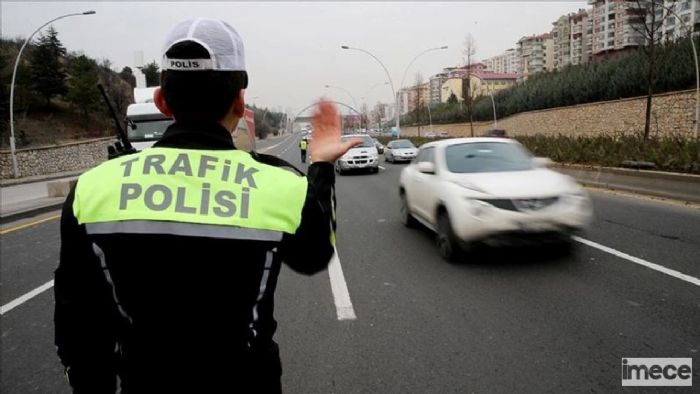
(400, 150)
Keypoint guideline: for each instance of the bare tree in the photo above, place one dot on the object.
(647, 23)
(468, 53)
(419, 82)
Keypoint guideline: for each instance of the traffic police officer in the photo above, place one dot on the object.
(302, 147)
(170, 256)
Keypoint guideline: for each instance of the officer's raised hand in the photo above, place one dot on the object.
(325, 143)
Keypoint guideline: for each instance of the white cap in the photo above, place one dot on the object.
(222, 41)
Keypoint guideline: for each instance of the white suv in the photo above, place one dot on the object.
(490, 190)
(361, 157)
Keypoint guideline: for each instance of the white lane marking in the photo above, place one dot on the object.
(339, 288)
(22, 299)
(382, 168)
(269, 148)
(637, 260)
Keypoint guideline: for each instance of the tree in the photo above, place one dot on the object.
(47, 73)
(117, 88)
(127, 74)
(468, 51)
(452, 99)
(82, 92)
(419, 82)
(152, 73)
(646, 22)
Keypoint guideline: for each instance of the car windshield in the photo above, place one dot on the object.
(402, 144)
(148, 130)
(487, 157)
(367, 142)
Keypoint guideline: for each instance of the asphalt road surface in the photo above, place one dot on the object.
(504, 320)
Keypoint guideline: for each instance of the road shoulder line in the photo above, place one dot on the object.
(656, 267)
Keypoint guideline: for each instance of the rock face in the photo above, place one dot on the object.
(58, 158)
(672, 113)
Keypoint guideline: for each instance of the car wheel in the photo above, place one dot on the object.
(446, 241)
(338, 170)
(374, 170)
(406, 217)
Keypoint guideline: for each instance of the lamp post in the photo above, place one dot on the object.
(391, 82)
(396, 97)
(12, 87)
(403, 78)
(354, 102)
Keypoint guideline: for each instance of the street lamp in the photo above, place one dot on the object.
(354, 102)
(396, 97)
(12, 88)
(391, 82)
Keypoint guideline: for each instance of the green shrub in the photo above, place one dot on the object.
(674, 153)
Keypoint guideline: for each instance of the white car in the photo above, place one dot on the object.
(400, 150)
(489, 190)
(361, 157)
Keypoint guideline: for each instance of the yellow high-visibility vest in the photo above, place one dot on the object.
(211, 193)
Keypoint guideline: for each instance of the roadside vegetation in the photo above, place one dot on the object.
(620, 77)
(673, 153)
(56, 97)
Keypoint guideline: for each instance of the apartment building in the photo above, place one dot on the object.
(561, 37)
(617, 25)
(534, 54)
(503, 63)
(581, 37)
(679, 17)
(412, 97)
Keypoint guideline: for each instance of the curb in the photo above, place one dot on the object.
(30, 212)
(675, 186)
(40, 178)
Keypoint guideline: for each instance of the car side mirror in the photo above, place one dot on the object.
(542, 162)
(426, 167)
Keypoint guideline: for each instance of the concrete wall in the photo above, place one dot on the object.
(48, 160)
(671, 113)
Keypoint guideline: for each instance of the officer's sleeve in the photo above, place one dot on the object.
(85, 311)
(310, 249)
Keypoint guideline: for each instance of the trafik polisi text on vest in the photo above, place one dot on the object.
(158, 197)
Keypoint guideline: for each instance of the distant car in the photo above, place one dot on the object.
(443, 134)
(489, 190)
(361, 157)
(429, 135)
(380, 147)
(400, 150)
(498, 133)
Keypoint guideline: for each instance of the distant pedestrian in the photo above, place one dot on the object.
(302, 147)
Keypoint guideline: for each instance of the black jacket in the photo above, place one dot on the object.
(168, 312)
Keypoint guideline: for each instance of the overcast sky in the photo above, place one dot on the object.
(293, 48)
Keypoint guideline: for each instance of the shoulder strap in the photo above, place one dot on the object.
(275, 161)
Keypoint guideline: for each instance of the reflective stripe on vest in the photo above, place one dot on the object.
(222, 194)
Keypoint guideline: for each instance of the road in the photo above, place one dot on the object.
(508, 320)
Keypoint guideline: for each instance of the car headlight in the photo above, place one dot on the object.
(478, 208)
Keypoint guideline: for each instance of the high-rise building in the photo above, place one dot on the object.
(503, 63)
(679, 18)
(534, 54)
(581, 37)
(561, 36)
(617, 25)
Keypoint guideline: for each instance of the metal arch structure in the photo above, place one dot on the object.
(294, 119)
